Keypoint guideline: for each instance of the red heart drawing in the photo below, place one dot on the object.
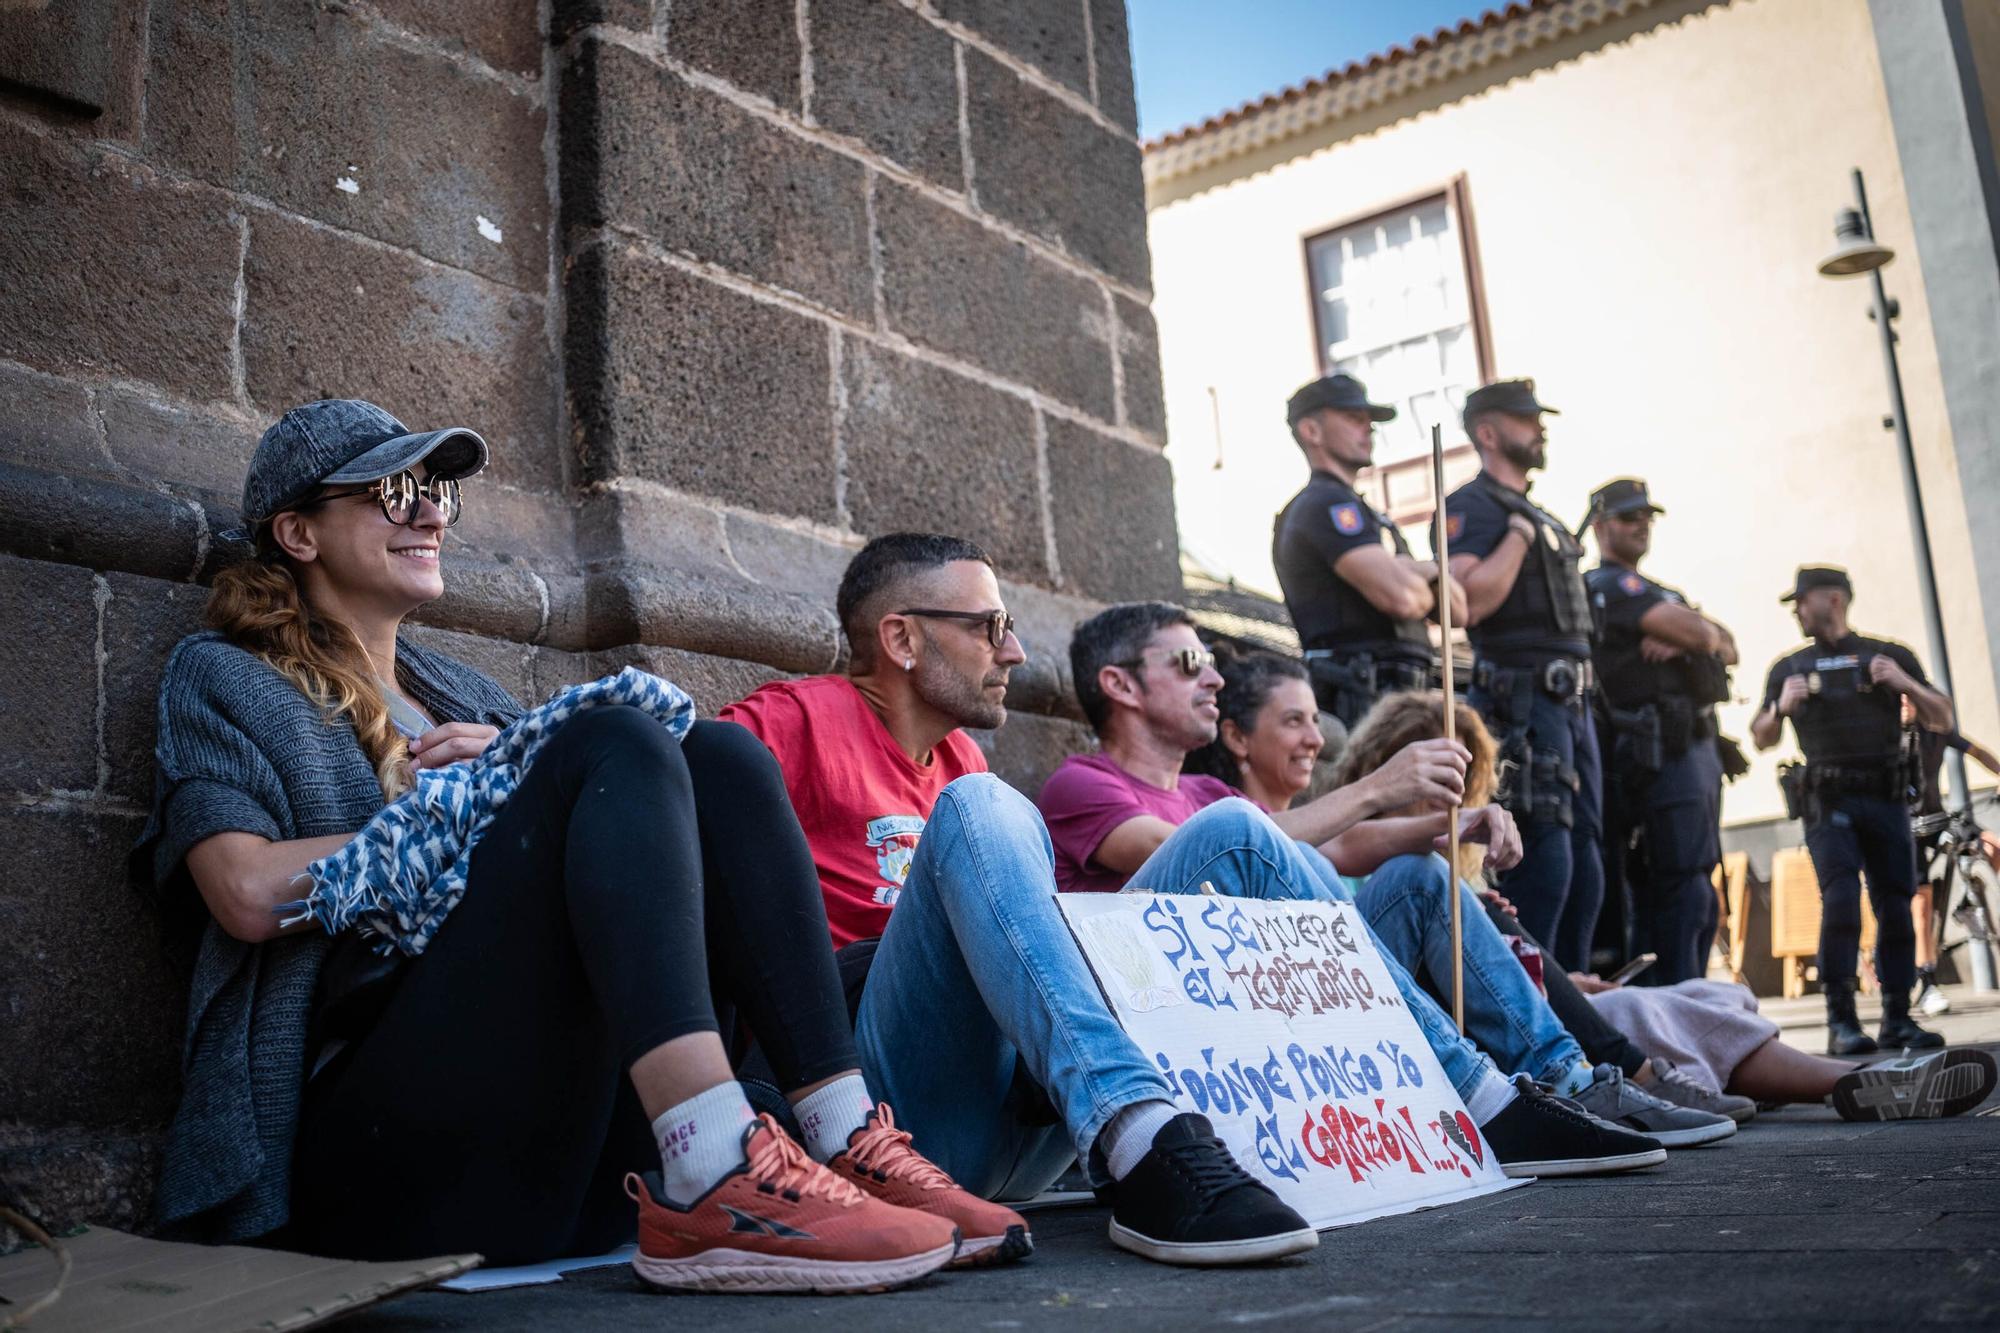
(1470, 1139)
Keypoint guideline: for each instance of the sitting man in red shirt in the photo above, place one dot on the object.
(978, 1014)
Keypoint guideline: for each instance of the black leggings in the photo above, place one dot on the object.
(1602, 1043)
(630, 888)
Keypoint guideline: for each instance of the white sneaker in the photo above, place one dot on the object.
(1933, 1001)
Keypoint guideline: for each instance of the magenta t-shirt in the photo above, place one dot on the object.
(1089, 795)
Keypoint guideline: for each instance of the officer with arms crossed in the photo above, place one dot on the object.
(1843, 693)
(1354, 591)
(1662, 666)
(1529, 620)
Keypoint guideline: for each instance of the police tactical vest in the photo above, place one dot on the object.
(1548, 600)
(1624, 675)
(1330, 612)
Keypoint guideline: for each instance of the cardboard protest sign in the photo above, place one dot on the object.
(1279, 1022)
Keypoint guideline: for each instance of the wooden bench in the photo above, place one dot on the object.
(1795, 919)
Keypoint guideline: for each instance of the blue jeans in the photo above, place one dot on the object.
(977, 980)
(1504, 1014)
(1235, 846)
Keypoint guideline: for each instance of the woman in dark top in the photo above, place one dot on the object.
(560, 1030)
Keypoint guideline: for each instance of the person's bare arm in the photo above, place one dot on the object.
(1488, 580)
(1126, 847)
(1395, 585)
(1727, 652)
(243, 877)
(1685, 628)
(1459, 605)
(1426, 775)
(1770, 723)
(1364, 848)
(1983, 756)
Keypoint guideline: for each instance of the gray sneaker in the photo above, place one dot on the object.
(1673, 1084)
(1628, 1106)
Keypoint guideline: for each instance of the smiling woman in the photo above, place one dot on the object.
(490, 1090)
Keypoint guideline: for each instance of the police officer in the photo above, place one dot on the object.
(1529, 620)
(1662, 666)
(1355, 593)
(1844, 692)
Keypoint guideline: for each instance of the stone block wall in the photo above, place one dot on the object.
(729, 285)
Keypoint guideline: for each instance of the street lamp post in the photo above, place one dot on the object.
(1859, 252)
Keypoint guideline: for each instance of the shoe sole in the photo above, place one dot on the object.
(1214, 1253)
(1587, 1166)
(723, 1269)
(1693, 1137)
(987, 1251)
(1941, 1085)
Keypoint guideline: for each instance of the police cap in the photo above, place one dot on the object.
(1818, 576)
(1514, 397)
(1621, 495)
(1342, 393)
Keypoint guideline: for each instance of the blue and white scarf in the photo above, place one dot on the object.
(404, 872)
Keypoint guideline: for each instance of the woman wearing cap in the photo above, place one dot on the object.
(560, 1030)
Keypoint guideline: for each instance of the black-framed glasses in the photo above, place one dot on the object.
(399, 496)
(999, 624)
(1190, 661)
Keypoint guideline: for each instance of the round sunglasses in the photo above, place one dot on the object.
(400, 494)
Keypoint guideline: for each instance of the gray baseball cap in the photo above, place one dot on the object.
(341, 440)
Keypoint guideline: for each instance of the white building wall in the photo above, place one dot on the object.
(1649, 219)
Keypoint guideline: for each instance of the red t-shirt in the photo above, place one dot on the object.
(861, 801)
(1088, 796)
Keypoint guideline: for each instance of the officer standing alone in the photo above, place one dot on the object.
(1662, 666)
(1355, 593)
(1528, 617)
(1844, 692)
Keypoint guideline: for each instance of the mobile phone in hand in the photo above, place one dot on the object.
(1632, 969)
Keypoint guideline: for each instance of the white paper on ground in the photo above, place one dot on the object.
(1279, 1021)
(532, 1275)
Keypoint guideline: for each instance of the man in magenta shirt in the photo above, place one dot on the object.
(1128, 816)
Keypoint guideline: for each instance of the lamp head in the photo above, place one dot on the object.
(1855, 251)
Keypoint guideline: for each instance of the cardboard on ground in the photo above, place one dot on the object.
(119, 1281)
(1279, 1022)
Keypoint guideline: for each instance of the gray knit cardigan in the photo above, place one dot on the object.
(241, 749)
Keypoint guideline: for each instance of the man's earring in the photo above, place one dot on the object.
(909, 664)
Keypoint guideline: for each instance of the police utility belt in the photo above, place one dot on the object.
(1564, 679)
(1365, 674)
(1653, 734)
(1807, 787)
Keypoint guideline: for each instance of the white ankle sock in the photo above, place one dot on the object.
(701, 1141)
(1129, 1136)
(829, 1117)
(1493, 1095)
(1578, 1077)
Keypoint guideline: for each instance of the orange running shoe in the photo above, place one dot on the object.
(783, 1222)
(880, 1160)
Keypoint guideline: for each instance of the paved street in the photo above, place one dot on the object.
(1800, 1220)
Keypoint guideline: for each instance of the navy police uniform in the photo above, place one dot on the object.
(1531, 681)
(1852, 795)
(1664, 771)
(1354, 653)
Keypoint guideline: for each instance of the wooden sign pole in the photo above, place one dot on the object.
(1440, 544)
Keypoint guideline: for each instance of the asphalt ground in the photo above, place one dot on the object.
(1800, 1220)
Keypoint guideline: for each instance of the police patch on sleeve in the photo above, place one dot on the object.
(1454, 526)
(1346, 519)
(1632, 584)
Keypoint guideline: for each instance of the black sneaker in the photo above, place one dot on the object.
(1542, 1135)
(1188, 1202)
(1923, 1087)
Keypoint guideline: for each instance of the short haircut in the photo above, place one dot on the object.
(1114, 635)
(1472, 420)
(883, 566)
(1247, 681)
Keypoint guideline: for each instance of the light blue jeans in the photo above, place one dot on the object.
(978, 981)
(1235, 846)
(1504, 1014)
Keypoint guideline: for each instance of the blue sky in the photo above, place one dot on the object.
(1193, 58)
